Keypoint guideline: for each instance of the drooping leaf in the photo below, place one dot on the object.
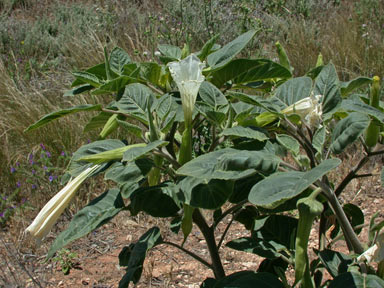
(118, 59)
(61, 113)
(169, 53)
(157, 201)
(98, 212)
(288, 143)
(356, 280)
(230, 164)
(279, 187)
(348, 130)
(246, 132)
(133, 256)
(249, 279)
(348, 87)
(357, 105)
(336, 262)
(212, 96)
(131, 128)
(243, 71)
(200, 193)
(273, 104)
(319, 139)
(327, 85)
(128, 176)
(97, 70)
(294, 90)
(225, 54)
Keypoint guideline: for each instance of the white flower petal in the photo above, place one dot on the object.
(49, 214)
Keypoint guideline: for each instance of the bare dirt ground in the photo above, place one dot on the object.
(165, 266)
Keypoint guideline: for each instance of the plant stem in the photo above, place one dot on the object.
(350, 236)
(209, 236)
(193, 255)
(225, 232)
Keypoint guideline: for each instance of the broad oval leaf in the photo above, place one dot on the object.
(113, 85)
(118, 59)
(279, 187)
(87, 77)
(294, 90)
(61, 113)
(348, 130)
(288, 143)
(246, 132)
(132, 257)
(212, 96)
(98, 212)
(225, 54)
(348, 87)
(230, 164)
(336, 262)
(243, 71)
(356, 280)
(138, 151)
(157, 201)
(354, 103)
(327, 85)
(200, 193)
(170, 52)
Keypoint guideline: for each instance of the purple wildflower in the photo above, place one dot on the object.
(4, 197)
(2, 214)
(48, 154)
(18, 184)
(34, 186)
(33, 171)
(50, 178)
(89, 141)
(62, 153)
(30, 157)
(45, 167)
(23, 200)
(13, 169)
(17, 164)
(42, 146)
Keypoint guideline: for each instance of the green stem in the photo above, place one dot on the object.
(185, 153)
(209, 236)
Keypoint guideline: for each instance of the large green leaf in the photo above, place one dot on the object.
(294, 90)
(151, 72)
(131, 128)
(212, 96)
(354, 103)
(76, 166)
(289, 143)
(113, 85)
(135, 101)
(246, 132)
(157, 201)
(279, 187)
(97, 122)
(169, 52)
(207, 48)
(78, 90)
(348, 87)
(58, 114)
(98, 71)
(242, 71)
(230, 164)
(272, 104)
(356, 280)
(336, 262)
(201, 193)
(133, 256)
(88, 78)
(327, 85)
(136, 152)
(222, 56)
(348, 130)
(249, 279)
(98, 212)
(319, 139)
(118, 59)
(129, 175)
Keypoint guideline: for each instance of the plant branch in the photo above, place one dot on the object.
(209, 236)
(193, 255)
(227, 212)
(164, 153)
(225, 232)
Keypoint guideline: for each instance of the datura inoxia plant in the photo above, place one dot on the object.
(210, 135)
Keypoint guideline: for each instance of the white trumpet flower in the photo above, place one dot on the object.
(374, 253)
(188, 76)
(308, 108)
(48, 216)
